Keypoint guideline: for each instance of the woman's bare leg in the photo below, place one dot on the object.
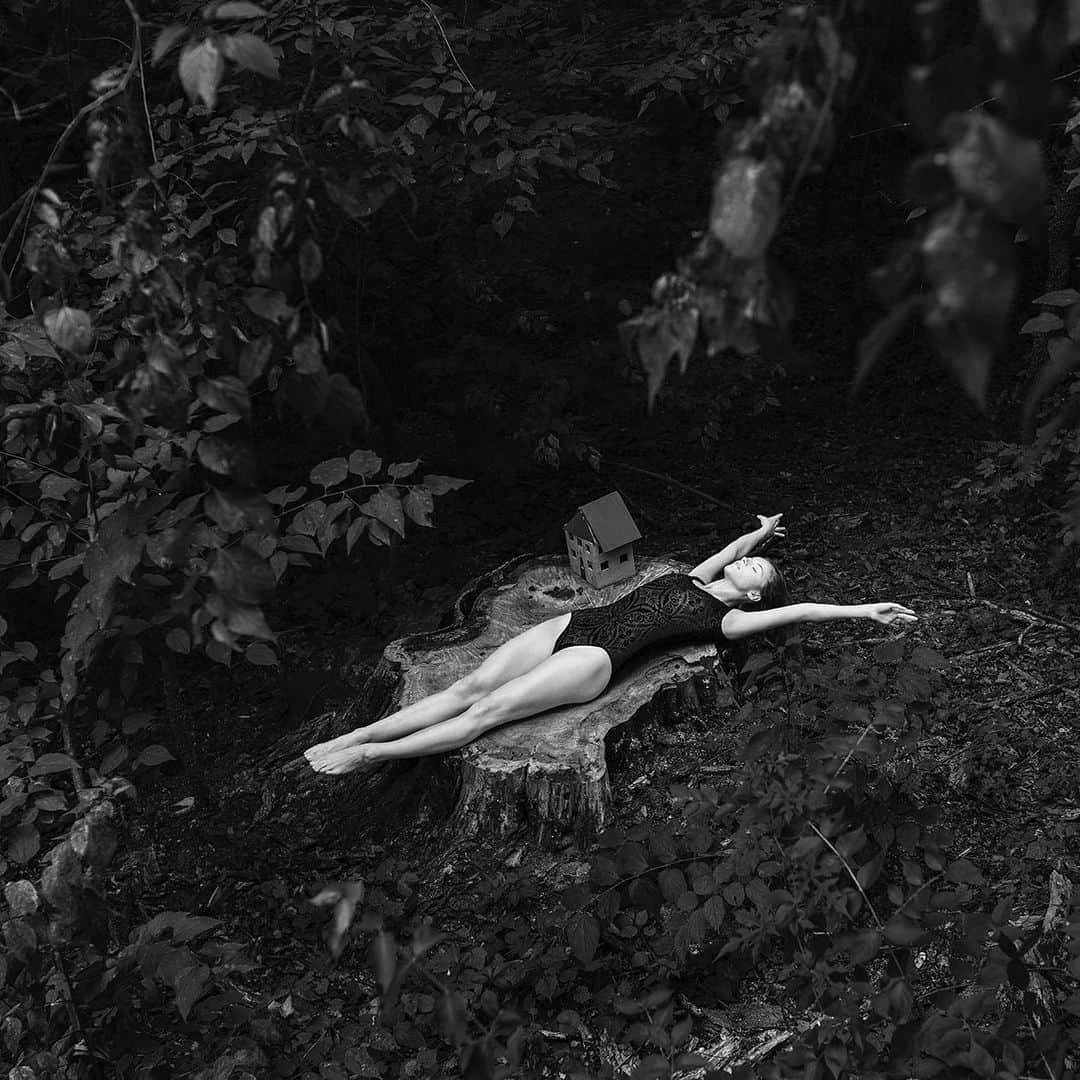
(433, 709)
(575, 674)
(510, 660)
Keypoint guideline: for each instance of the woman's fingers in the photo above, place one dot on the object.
(901, 614)
(889, 613)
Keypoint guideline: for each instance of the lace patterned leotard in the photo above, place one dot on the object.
(668, 608)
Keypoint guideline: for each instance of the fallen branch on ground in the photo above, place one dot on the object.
(1016, 613)
(674, 483)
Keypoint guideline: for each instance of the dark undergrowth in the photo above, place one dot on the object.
(857, 848)
(869, 490)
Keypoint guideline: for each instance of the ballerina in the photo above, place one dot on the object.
(573, 657)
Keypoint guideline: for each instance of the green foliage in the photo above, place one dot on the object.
(981, 178)
(690, 67)
(172, 335)
(725, 293)
(1044, 469)
(178, 324)
(176, 327)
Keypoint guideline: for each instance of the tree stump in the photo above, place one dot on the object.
(549, 773)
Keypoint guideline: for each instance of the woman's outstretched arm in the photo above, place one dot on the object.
(740, 624)
(711, 567)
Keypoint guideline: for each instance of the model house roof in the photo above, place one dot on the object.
(605, 520)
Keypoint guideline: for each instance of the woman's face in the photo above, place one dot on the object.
(749, 575)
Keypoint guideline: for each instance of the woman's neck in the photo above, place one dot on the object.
(725, 591)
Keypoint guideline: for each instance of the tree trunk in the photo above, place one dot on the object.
(548, 774)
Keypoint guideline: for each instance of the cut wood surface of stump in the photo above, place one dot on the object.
(548, 773)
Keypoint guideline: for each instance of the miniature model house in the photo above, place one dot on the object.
(600, 541)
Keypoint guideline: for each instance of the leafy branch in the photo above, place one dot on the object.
(22, 218)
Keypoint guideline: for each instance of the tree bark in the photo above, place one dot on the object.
(549, 774)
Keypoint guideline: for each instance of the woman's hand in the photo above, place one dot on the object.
(770, 526)
(890, 613)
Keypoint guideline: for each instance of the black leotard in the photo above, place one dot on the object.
(668, 608)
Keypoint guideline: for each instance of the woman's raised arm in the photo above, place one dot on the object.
(740, 624)
(710, 568)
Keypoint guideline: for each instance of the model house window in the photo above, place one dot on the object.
(623, 557)
(604, 565)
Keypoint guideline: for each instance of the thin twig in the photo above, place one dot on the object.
(34, 506)
(314, 58)
(978, 105)
(69, 998)
(142, 84)
(851, 873)
(326, 494)
(14, 104)
(17, 497)
(42, 106)
(38, 465)
(77, 777)
(17, 202)
(881, 130)
(1018, 700)
(449, 47)
(942, 989)
(819, 125)
(884, 639)
(858, 742)
(1026, 676)
(675, 483)
(22, 219)
(1049, 1071)
(996, 647)
(926, 884)
(91, 506)
(45, 562)
(13, 74)
(675, 862)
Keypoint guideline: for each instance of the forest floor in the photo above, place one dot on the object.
(872, 490)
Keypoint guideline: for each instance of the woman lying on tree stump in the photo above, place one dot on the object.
(573, 657)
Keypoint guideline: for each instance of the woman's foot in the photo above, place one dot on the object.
(343, 759)
(320, 751)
